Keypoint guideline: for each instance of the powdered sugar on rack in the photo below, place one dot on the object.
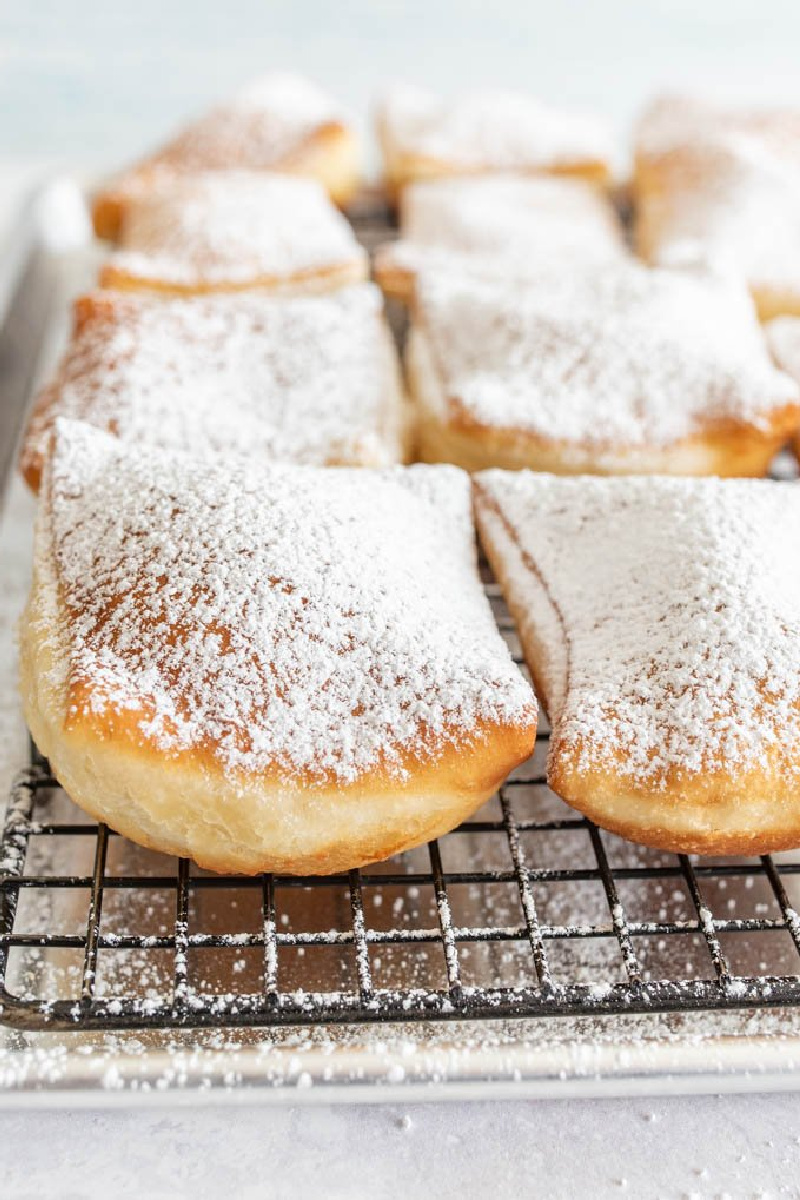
(244, 615)
(615, 354)
(679, 610)
(304, 379)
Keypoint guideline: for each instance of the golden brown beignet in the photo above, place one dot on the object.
(279, 123)
(423, 136)
(234, 231)
(282, 668)
(661, 621)
(610, 369)
(310, 379)
(497, 224)
(726, 184)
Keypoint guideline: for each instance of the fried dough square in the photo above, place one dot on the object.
(234, 231)
(660, 619)
(310, 379)
(289, 669)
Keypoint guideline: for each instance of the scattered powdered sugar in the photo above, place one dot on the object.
(505, 217)
(491, 129)
(726, 182)
(233, 226)
(617, 354)
(301, 379)
(323, 622)
(257, 128)
(680, 608)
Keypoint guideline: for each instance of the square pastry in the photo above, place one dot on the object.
(660, 619)
(272, 668)
(229, 231)
(307, 379)
(610, 369)
(724, 184)
(424, 136)
(497, 224)
(280, 122)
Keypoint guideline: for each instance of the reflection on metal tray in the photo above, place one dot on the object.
(526, 911)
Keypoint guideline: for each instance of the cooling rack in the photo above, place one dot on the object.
(526, 911)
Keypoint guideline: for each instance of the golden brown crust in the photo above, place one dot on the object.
(92, 308)
(724, 447)
(395, 280)
(402, 168)
(188, 806)
(311, 281)
(753, 813)
(330, 155)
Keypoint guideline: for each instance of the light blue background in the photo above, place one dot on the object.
(89, 82)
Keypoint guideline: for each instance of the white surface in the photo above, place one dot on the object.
(98, 84)
(702, 1147)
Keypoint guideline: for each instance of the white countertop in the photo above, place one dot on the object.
(92, 90)
(703, 1147)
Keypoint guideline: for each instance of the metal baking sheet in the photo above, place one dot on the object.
(678, 1052)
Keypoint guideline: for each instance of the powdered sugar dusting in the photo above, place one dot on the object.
(319, 622)
(510, 221)
(301, 379)
(727, 182)
(681, 613)
(257, 128)
(233, 226)
(616, 354)
(491, 129)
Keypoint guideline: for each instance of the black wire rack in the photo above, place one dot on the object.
(526, 910)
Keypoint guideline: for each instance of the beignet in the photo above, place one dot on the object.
(282, 668)
(660, 619)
